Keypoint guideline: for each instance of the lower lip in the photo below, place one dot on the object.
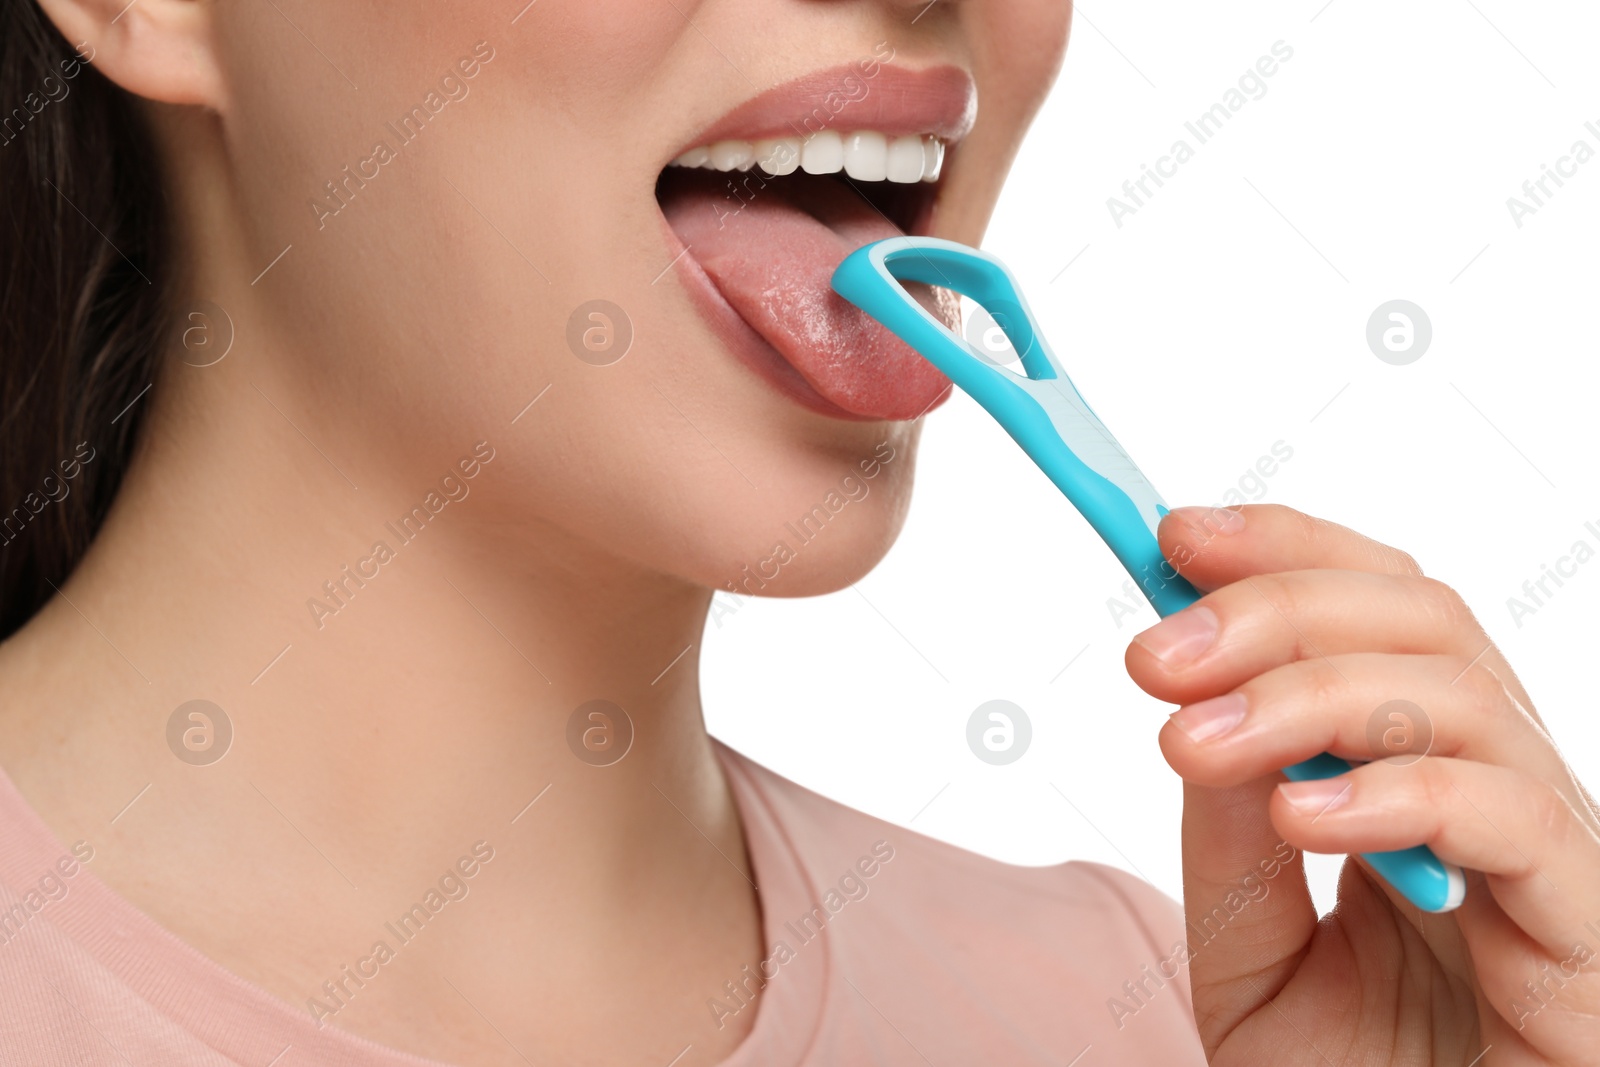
(749, 346)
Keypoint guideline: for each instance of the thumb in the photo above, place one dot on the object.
(1249, 911)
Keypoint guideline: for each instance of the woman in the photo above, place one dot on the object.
(386, 393)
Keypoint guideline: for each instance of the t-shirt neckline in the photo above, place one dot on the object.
(247, 1024)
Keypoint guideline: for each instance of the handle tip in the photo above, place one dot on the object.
(1455, 889)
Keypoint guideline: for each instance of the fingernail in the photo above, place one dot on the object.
(1317, 797)
(1214, 520)
(1180, 638)
(1210, 719)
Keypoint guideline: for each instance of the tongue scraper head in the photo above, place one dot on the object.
(1043, 412)
(1047, 417)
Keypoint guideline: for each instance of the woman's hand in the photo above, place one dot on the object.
(1305, 635)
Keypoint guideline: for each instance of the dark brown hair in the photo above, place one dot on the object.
(83, 281)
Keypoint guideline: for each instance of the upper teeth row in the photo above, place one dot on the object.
(865, 155)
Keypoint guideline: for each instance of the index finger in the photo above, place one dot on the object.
(1213, 547)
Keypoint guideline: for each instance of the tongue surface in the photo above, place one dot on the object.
(772, 253)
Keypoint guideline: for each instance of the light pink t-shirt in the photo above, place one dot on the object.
(884, 947)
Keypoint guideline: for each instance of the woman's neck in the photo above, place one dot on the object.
(400, 673)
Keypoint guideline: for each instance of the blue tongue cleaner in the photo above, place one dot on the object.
(1047, 417)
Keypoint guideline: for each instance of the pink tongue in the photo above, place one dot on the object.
(771, 255)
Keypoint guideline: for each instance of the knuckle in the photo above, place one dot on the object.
(1486, 694)
(1549, 814)
(1406, 563)
(1323, 684)
(1436, 592)
(1385, 559)
(1439, 791)
(1443, 602)
(1437, 787)
(1310, 689)
(1278, 593)
(1331, 538)
(1316, 535)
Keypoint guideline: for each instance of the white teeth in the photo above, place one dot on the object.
(732, 155)
(779, 157)
(865, 155)
(904, 160)
(823, 154)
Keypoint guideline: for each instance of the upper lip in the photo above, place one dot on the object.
(940, 100)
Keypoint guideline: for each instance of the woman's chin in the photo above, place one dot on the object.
(811, 554)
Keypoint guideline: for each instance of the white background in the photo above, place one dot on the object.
(1227, 314)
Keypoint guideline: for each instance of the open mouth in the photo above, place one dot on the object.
(766, 204)
(896, 176)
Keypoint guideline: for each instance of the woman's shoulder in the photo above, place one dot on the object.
(1078, 951)
(825, 833)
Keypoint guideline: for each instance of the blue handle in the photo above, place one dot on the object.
(1045, 414)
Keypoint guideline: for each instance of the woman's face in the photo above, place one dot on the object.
(476, 213)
